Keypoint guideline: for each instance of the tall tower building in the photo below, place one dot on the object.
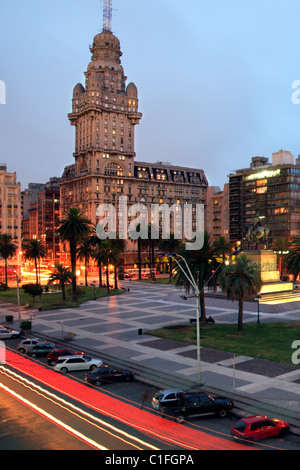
(105, 113)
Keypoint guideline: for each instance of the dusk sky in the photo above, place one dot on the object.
(214, 79)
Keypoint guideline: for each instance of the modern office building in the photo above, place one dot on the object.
(105, 113)
(44, 219)
(217, 212)
(270, 191)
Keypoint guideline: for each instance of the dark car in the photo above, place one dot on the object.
(108, 375)
(198, 404)
(40, 350)
(253, 428)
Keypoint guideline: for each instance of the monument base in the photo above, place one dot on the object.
(267, 260)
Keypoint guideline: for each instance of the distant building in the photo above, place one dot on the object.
(30, 195)
(44, 218)
(10, 208)
(270, 191)
(217, 212)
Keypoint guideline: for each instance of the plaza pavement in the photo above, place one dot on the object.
(112, 325)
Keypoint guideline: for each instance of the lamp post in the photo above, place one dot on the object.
(258, 298)
(193, 283)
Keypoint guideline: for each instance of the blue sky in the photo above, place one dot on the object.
(214, 79)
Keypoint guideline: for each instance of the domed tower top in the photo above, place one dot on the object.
(106, 46)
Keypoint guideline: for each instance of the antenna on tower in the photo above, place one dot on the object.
(107, 15)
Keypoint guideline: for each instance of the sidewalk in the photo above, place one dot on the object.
(111, 328)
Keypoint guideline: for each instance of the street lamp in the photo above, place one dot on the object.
(258, 298)
(193, 283)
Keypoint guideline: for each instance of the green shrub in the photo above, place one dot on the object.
(26, 325)
(9, 318)
(33, 290)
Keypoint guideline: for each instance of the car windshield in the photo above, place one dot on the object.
(59, 361)
(240, 426)
(158, 396)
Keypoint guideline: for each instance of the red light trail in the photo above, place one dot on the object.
(148, 423)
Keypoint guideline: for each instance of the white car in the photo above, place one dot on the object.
(8, 333)
(70, 363)
(28, 344)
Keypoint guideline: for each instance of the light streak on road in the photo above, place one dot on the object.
(148, 423)
(52, 418)
(76, 410)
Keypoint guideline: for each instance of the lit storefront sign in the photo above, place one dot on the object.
(262, 175)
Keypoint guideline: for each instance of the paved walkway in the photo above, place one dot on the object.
(112, 324)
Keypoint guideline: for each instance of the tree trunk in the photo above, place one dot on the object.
(140, 258)
(6, 272)
(171, 269)
(100, 274)
(63, 291)
(202, 307)
(107, 277)
(36, 271)
(73, 265)
(116, 277)
(240, 317)
(85, 272)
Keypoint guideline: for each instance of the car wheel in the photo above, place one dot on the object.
(283, 432)
(98, 383)
(33, 355)
(222, 413)
(13, 336)
(22, 350)
(52, 363)
(64, 370)
(93, 367)
(179, 419)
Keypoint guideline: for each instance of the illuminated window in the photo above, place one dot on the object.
(113, 169)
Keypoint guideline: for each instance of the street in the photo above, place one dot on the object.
(80, 423)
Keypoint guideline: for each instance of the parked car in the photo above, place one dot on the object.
(254, 428)
(197, 404)
(172, 396)
(71, 363)
(108, 375)
(28, 344)
(40, 349)
(6, 333)
(56, 353)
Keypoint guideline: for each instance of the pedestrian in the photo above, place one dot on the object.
(145, 397)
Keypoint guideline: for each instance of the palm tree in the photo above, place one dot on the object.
(222, 247)
(85, 251)
(118, 247)
(35, 250)
(140, 246)
(63, 275)
(292, 259)
(105, 253)
(8, 249)
(171, 245)
(200, 263)
(281, 247)
(73, 229)
(240, 281)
